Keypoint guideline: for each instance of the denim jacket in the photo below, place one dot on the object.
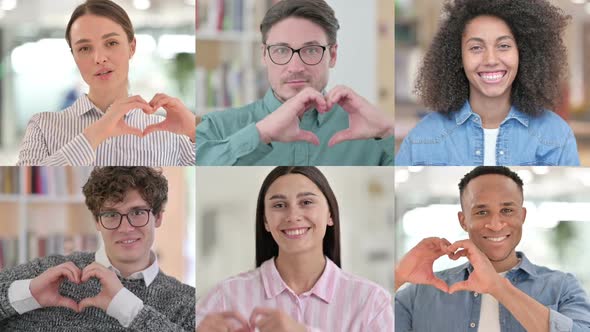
(423, 308)
(458, 139)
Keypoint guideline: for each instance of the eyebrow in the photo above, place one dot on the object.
(136, 207)
(480, 40)
(105, 36)
(281, 196)
(313, 42)
(482, 206)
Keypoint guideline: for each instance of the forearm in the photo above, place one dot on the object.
(244, 145)
(532, 315)
(149, 320)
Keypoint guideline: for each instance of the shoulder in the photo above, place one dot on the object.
(433, 126)
(235, 114)
(550, 121)
(368, 289)
(67, 114)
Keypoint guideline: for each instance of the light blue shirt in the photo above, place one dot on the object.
(458, 139)
(424, 308)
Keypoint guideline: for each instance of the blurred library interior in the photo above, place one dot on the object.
(39, 74)
(228, 60)
(44, 213)
(416, 22)
(556, 227)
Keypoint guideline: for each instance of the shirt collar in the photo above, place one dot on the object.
(324, 288)
(272, 103)
(84, 105)
(466, 112)
(148, 275)
(525, 265)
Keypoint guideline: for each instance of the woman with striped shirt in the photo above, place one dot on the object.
(298, 284)
(107, 126)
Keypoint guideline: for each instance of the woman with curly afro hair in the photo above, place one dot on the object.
(492, 73)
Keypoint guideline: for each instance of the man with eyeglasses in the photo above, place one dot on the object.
(118, 288)
(298, 122)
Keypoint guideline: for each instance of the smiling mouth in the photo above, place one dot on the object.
(492, 77)
(130, 241)
(496, 238)
(296, 232)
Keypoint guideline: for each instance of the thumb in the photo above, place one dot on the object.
(87, 303)
(438, 283)
(307, 136)
(127, 130)
(460, 286)
(341, 136)
(67, 303)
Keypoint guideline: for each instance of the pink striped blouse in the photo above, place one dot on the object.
(337, 302)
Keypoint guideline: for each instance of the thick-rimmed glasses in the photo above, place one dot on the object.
(136, 218)
(310, 55)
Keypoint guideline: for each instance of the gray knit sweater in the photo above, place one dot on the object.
(169, 305)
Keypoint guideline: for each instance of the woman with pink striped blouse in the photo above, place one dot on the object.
(298, 284)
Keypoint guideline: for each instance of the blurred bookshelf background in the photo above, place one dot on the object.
(44, 213)
(416, 23)
(229, 68)
(38, 73)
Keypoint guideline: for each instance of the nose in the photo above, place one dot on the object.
(100, 57)
(294, 214)
(490, 57)
(496, 223)
(126, 225)
(296, 65)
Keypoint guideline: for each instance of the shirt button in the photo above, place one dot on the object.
(472, 325)
(478, 152)
(501, 152)
(475, 294)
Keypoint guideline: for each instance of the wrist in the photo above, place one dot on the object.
(386, 131)
(264, 137)
(94, 136)
(500, 288)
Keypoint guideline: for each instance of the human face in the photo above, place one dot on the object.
(128, 245)
(490, 58)
(289, 79)
(102, 52)
(492, 214)
(297, 215)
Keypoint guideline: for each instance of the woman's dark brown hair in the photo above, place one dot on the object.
(537, 27)
(266, 247)
(104, 8)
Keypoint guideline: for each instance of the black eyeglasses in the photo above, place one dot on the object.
(136, 218)
(310, 55)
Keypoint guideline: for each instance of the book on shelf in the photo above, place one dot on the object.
(8, 252)
(60, 244)
(220, 15)
(55, 181)
(9, 180)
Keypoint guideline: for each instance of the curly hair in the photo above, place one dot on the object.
(537, 27)
(109, 185)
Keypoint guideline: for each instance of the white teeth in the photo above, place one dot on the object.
(296, 232)
(492, 76)
(128, 241)
(496, 239)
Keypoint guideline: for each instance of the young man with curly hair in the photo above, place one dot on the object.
(118, 288)
(492, 71)
(298, 122)
(498, 289)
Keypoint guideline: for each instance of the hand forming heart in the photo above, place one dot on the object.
(45, 287)
(263, 319)
(416, 266)
(365, 121)
(179, 119)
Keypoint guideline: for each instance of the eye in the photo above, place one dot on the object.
(84, 49)
(138, 213)
(481, 213)
(110, 214)
(476, 48)
(313, 50)
(112, 43)
(507, 211)
(280, 50)
(307, 202)
(505, 46)
(279, 205)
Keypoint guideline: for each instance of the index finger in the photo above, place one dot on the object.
(236, 316)
(467, 244)
(312, 96)
(260, 311)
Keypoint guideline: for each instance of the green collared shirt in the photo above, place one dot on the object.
(230, 138)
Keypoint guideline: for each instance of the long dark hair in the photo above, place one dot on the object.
(266, 247)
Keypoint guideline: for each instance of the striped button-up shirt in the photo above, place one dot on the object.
(337, 302)
(57, 139)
